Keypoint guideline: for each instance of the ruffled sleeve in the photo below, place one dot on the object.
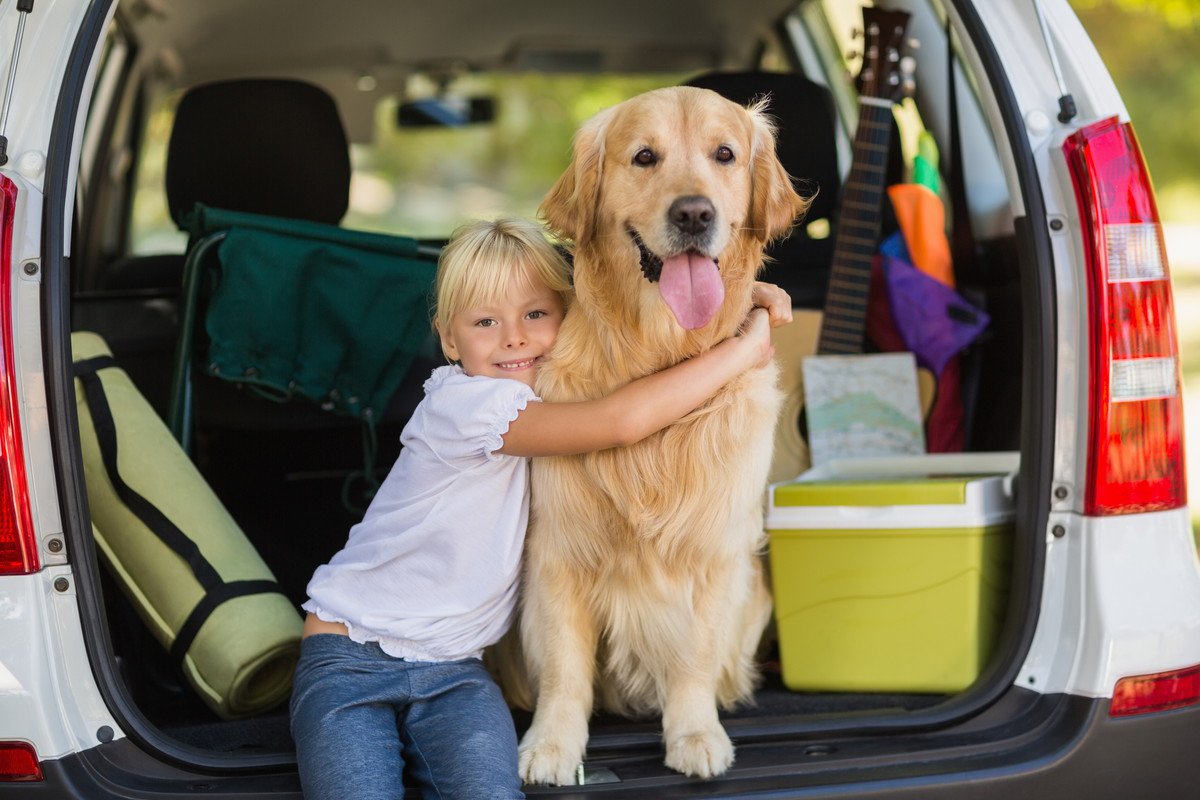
(466, 417)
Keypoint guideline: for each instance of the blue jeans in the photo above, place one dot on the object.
(361, 717)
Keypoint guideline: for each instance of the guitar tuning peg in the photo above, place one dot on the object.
(909, 87)
(914, 44)
(908, 66)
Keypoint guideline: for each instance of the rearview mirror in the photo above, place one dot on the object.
(446, 112)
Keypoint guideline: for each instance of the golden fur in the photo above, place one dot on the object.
(644, 572)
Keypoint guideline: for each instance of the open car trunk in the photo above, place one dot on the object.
(286, 473)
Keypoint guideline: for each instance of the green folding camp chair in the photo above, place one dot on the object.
(298, 310)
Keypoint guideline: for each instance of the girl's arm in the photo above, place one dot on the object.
(642, 407)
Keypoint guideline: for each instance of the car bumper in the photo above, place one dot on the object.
(1030, 746)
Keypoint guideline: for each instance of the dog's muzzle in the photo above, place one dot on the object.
(650, 263)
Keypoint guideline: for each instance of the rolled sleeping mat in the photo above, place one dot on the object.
(193, 577)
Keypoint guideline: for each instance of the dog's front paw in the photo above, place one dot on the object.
(543, 762)
(701, 755)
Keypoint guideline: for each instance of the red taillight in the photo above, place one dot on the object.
(1142, 694)
(18, 546)
(19, 762)
(1135, 446)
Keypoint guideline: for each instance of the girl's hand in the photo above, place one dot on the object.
(776, 301)
(755, 336)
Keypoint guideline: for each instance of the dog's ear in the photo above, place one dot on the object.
(774, 203)
(570, 207)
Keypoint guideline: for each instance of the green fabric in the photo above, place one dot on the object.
(925, 163)
(302, 309)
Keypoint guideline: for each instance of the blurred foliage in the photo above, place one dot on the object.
(150, 227)
(426, 181)
(1150, 47)
(1177, 13)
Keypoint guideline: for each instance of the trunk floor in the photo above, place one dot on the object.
(269, 732)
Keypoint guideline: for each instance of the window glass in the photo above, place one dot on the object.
(424, 182)
(150, 227)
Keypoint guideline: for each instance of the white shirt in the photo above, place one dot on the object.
(431, 572)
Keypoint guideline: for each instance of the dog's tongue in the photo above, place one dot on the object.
(692, 288)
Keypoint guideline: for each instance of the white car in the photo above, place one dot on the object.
(125, 673)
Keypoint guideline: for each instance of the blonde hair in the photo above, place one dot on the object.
(483, 258)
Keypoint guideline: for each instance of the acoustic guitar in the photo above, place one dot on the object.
(839, 328)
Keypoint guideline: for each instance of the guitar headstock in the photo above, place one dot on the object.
(883, 74)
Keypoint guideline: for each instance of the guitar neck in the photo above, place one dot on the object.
(857, 236)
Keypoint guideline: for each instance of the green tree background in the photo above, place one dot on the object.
(1150, 47)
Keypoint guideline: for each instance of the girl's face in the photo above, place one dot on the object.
(509, 338)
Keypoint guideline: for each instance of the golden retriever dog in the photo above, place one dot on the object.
(644, 574)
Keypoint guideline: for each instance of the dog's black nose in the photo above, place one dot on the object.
(692, 214)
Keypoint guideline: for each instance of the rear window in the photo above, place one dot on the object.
(424, 182)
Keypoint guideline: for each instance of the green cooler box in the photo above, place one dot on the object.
(891, 574)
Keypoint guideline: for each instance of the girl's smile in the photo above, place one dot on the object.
(506, 338)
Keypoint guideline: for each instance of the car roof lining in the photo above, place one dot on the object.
(219, 39)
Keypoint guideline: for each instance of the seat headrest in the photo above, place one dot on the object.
(265, 146)
(805, 127)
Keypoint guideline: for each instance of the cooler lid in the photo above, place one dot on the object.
(920, 490)
(931, 490)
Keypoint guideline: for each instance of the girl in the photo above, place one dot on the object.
(390, 673)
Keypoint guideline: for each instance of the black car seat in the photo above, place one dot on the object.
(277, 148)
(265, 146)
(268, 146)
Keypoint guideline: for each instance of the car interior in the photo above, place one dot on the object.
(337, 137)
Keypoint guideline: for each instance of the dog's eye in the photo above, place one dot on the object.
(645, 157)
(724, 154)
